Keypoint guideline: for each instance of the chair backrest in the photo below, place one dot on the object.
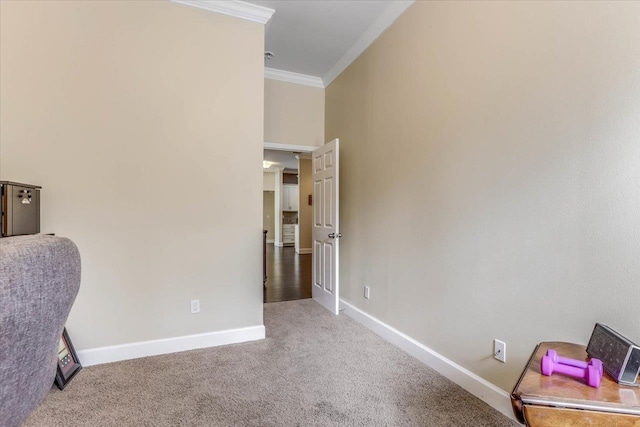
(39, 280)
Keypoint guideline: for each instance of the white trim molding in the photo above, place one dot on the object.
(289, 147)
(484, 390)
(304, 251)
(115, 353)
(303, 156)
(235, 8)
(384, 21)
(291, 77)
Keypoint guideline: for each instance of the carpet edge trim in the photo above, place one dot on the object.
(116, 353)
(489, 393)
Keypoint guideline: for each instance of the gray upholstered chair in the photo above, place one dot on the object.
(39, 280)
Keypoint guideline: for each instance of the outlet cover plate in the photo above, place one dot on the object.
(195, 306)
(500, 351)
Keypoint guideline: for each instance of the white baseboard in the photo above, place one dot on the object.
(278, 244)
(115, 353)
(484, 390)
(303, 251)
(270, 240)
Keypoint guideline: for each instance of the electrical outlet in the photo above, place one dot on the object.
(366, 292)
(195, 306)
(500, 351)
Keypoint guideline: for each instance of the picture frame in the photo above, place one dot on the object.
(68, 362)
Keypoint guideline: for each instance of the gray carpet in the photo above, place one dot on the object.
(314, 369)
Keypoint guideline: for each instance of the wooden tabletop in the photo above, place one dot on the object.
(533, 388)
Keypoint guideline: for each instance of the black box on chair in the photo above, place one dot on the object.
(620, 357)
(19, 209)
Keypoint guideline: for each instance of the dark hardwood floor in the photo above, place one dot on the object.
(288, 274)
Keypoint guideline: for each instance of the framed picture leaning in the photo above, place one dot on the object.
(68, 363)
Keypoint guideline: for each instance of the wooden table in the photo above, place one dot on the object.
(559, 400)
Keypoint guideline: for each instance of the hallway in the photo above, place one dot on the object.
(288, 274)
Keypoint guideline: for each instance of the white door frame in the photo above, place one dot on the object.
(288, 147)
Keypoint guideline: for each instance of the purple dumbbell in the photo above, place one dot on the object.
(573, 362)
(591, 373)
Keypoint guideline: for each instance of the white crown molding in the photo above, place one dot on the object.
(235, 8)
(388, 17)
(288, 147)
(291, 77)
(115, 353)
(484, 390)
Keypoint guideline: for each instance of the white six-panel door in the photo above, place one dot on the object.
(326, 236)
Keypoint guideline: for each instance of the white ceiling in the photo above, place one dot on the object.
(280, 159)
(311, 36)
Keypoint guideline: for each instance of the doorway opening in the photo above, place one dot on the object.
(287, 220)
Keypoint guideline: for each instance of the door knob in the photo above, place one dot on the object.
(334, 236)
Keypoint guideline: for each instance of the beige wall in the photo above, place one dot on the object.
(268, 220)
(305, 212)
(293, 113)
(268, 181)
(489, 176)
(132, 116)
